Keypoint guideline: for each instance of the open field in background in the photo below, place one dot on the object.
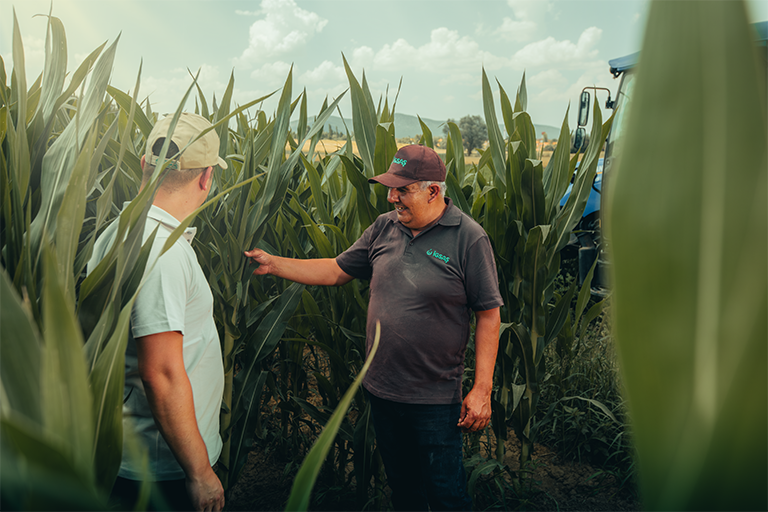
(329, 146)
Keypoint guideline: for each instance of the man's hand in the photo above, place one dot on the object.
(263, 259)
(316, 271)
(206, 493)
(476, 408)
(169, 393)
(475, 411)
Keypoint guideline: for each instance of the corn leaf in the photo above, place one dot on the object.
(22, 353)
(363, 121)
(310, 468)
(495, 139)
(689, 272)
(59, 160)
(66, 397)
(426, 135)
(71, 216)
(265, 337)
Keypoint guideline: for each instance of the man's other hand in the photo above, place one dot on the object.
(206, 492)
(475, 411)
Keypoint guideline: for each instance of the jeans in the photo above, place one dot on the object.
(165, 495)
(421, 449)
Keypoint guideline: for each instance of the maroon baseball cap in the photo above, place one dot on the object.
(411, 164)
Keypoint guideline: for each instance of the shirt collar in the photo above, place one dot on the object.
(168, 221)
(451, 216)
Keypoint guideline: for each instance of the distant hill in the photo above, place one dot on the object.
(551, 131)
(407, 125)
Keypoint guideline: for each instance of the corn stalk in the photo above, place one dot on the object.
(516, 200)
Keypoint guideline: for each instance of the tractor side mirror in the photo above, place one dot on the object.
(584, 108)
(578, 139)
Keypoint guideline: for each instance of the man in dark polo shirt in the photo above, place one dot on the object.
(429, 265)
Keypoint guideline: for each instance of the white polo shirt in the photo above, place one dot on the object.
(175, 296)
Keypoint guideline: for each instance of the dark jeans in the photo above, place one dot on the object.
(421, 449)
(166, 495)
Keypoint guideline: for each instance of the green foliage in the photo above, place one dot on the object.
(473, 131)
(516, 201)
(62, 418)
(305, 478)
(69, 158)
(689, 274)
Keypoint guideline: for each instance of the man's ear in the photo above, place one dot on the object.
(205, 178)
(143, 159)
(434, 192)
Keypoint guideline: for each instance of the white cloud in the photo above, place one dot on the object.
(528, 10)
(527, 16)
(325, 73)
(552, 88)
(547, 80)
(516, 30)
(362, 57)
(446, 52)
(285, 27)
(550, 52)
(271, 75)
(165, 93)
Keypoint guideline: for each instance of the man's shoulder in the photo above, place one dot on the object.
(384, 221)
(466, 225)
(386, 217)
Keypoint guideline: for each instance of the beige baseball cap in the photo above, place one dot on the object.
(203, 153)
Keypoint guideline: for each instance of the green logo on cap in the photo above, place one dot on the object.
(400, 161)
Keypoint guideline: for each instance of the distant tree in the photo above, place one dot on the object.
(473, 131)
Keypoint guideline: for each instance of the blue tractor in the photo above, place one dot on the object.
(587, 236)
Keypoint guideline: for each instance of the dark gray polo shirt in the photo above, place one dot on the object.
(422, 289)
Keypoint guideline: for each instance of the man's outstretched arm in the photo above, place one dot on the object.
(321, 271)
(169, 393)
(476, 408)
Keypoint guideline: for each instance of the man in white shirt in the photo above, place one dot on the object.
(174, 375)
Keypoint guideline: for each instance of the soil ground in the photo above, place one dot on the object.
(557, 485)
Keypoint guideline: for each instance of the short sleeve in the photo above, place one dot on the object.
(481, 278)
(161, 303)
(355, 261)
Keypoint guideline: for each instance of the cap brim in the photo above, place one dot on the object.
(222, 163)
(391, 180)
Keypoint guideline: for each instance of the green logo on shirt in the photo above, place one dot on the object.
(437, 255)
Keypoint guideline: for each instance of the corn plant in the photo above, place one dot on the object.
(307, 475)
(327, 211)
(516, 200)
(240, 221)
(65, 405)
(689, 273)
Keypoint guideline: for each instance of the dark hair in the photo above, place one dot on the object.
(173, 149)
(171, 181)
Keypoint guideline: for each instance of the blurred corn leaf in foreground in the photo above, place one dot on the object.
(310, 468)
(690, 272)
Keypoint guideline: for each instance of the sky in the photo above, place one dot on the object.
(438, 48)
